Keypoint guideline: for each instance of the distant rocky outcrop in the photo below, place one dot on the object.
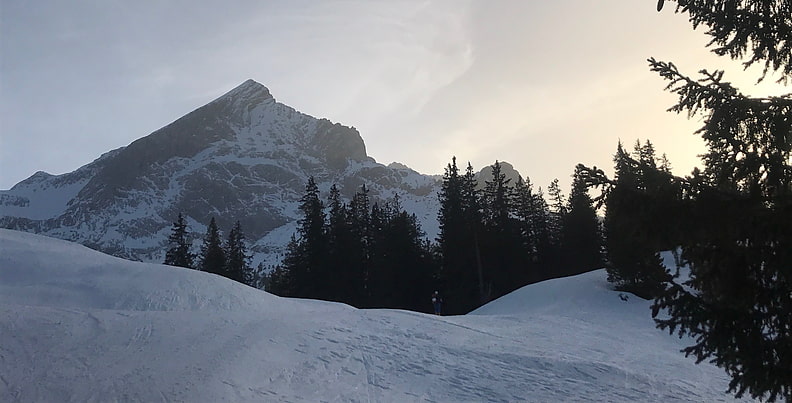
(507, 170)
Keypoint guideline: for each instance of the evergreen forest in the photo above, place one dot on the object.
(494, 238)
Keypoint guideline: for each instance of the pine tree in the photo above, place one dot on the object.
(360, 225)
(737, 303)
(346, 285)
(581, 229)
(473, 219)
(636, 213)
(557, 208)
(527, 212)
(402, 267)
(312, 274)
(305, 270)
(282, 279)
(179, 245)
(497, 202)
(212, 258)
(507, 260)
(459, 219)
(557, 200)
(237, 258)
(547, 248)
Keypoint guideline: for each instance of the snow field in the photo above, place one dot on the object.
(77, 325)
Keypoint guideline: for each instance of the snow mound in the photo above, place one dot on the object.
(37, 270)
(579, 295)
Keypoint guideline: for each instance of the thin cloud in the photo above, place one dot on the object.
(543, 85)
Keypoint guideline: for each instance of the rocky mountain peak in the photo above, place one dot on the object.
(242, 156)
(507, 169)
(248, 93)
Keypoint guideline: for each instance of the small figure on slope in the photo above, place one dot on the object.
(437, 302)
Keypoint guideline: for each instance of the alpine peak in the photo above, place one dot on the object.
(248, 90)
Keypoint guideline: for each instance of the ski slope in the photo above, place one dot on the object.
(77, 326)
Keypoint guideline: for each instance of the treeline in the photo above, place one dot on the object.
(229, 259)
(501, 236)
(361, 253)
(493, 239)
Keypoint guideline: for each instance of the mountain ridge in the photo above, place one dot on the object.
(242, 156)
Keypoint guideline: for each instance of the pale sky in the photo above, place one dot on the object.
(543, 85)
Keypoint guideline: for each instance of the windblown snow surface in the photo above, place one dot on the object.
(79, 326)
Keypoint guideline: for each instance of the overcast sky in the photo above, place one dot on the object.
(543, 85)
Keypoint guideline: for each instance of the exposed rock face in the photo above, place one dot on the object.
(507, 170)
(243, 157)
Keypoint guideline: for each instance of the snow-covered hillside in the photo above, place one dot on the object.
(77, 325)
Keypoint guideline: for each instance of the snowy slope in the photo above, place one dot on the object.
(77, 325)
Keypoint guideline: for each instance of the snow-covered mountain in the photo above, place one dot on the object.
(243, 157)
(78, 325)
